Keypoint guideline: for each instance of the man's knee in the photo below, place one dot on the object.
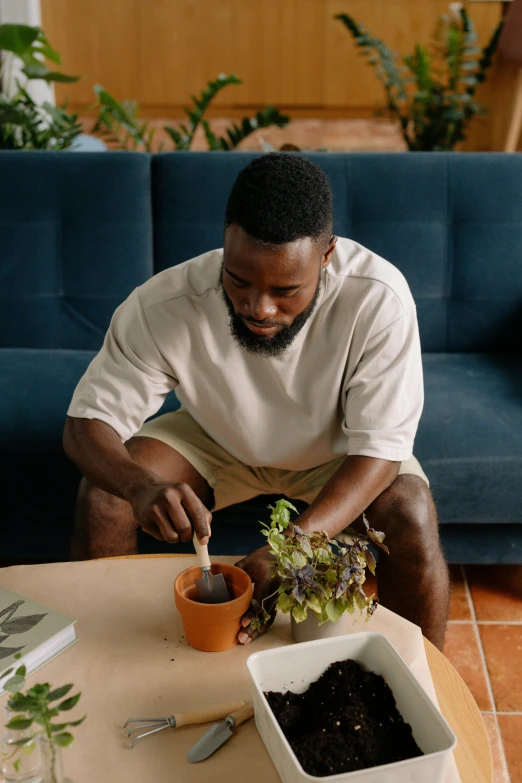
(405, 510)
(96, 503)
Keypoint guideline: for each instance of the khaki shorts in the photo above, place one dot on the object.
(231, 480)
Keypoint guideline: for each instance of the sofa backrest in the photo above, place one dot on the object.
(79, 231)
(452, 223)
(75, 239)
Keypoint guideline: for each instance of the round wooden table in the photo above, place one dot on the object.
(473, 751)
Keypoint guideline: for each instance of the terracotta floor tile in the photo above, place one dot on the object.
(370, 586)
(500, 773)
(462, 650)
(459, 604)
(496, 592)
(503, 649)
(511, 731)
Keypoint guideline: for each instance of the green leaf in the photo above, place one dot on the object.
(14, 684)
(299, 613)
(22, 743)
(41, 72)
(59, 693)
(299, 559)
(370, 560)
(314, 604)
(68, 704)
(63, 740)
(19, 724)
(61, 726)
(285, 603)
(332, 611)
(16, 765)
(77, 722)
(336, 608)
(17, 38)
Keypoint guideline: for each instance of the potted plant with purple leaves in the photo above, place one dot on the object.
(321, 581)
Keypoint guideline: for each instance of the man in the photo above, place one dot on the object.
(295, 355)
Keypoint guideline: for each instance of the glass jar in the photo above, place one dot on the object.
(52, 762)
(21, 764)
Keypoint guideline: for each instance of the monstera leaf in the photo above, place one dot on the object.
(5, 652)
(21, 624)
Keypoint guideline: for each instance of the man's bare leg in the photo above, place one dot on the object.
(105, 524)
(413, 579)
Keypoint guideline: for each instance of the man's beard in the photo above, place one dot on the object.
(259, 343)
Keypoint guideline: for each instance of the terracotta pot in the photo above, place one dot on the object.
(212, 627)
(310, 629)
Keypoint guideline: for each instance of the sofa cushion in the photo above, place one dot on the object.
(470, 436)
(75, 239)
(41, 483)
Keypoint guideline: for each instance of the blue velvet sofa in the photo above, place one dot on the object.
(78, 232)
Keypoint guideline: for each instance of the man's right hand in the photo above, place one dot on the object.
(171, 512)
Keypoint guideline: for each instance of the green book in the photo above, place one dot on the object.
(36, 632)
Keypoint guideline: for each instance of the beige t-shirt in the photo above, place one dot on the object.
(350, 383)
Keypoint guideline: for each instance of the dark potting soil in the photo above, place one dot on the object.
(346, 720)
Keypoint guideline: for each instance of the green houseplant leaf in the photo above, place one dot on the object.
(17, 38)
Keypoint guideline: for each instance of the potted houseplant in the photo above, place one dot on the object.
(320, 580)
(24, 124)
(32, 739)
(212, 627)
(431, 92)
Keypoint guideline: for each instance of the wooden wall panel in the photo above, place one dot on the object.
(292, 53)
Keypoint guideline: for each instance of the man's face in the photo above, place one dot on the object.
(270, 290)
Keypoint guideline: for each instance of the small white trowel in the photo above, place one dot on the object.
(211, 589)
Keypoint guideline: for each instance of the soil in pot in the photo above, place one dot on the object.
(345, 721)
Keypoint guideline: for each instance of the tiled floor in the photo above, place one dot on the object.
(484, 643)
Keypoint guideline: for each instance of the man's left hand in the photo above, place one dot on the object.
(257, 565)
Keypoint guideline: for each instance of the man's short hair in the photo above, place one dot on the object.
(281, 197)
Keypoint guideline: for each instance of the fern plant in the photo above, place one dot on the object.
(119, 124)
(431, 92)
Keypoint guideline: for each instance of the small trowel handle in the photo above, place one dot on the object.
(202, 554)
(208, 714)
(245, 713)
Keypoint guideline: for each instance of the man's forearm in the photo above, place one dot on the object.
(349, 492)
(101, 457)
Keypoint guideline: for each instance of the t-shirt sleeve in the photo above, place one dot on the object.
(384, 396)
(128, 380)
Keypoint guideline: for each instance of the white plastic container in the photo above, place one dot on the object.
(301, 664)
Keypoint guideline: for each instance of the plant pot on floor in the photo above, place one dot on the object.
(309, 629)
(212, 627)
